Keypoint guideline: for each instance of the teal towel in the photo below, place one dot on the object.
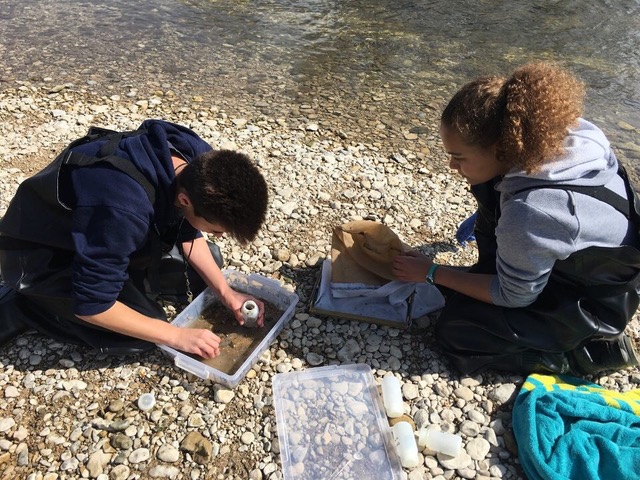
(568, 428)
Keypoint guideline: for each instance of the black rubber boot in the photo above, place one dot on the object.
(12, 321)
(546, 362)
(601, 355)
(523, 363)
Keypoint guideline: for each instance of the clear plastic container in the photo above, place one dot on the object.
(331, 425)
(261, 287)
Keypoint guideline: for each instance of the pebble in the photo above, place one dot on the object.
(139, 455)
(223, 395)
(314, 359)
(478, 448)
(11, 392)
(247, 438)
(196, 421)
(410, 391)
(121, 442)
(168, 453)
(164, 471)
(6, 424)
(198, 446)
(97, 462)
(116, 405)
(503, 393)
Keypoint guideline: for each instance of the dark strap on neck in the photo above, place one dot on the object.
(601, 193)
(106, 154)
(119, 163)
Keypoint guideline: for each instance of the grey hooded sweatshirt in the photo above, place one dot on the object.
(538, 227)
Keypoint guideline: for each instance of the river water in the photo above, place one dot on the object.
(377, 70)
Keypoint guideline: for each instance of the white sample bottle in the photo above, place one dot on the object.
(441, 442)
(406, 444)
(250, 313)
(392, 396)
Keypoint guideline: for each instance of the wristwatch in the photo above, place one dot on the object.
(430, 274)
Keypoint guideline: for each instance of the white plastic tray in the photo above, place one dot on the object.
(261, 287)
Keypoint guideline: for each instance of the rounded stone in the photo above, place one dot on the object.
(139, 455)
(247, 438)
(168, 453)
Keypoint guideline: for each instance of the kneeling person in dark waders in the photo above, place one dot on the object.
(91, 245)
(557, 279)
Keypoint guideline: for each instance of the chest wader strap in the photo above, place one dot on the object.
(119, 163)
(106, 155)
(625, 206)
(601, 193)
(152, 278)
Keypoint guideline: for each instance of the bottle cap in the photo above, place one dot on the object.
(146, 401)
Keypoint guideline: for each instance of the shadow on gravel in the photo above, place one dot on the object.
(440, 247)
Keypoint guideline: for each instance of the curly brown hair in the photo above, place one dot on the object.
(526, 115)
(225, 187)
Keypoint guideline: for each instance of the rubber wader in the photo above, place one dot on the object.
(576, 325)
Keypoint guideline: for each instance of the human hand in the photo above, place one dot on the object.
(200, 341)
(411, 266)
(235, 300)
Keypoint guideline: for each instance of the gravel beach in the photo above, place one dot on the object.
(68, 412)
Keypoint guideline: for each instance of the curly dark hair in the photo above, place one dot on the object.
(225, 187)
(526, 115)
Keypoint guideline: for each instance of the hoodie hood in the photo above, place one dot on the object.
(587, 160)
(152, 155)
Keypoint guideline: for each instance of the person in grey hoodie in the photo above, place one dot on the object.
(557, 276)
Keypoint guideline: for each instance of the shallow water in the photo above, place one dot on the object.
(381, 60)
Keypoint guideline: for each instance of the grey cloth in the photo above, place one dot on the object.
(539, 227)
(388, 302)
